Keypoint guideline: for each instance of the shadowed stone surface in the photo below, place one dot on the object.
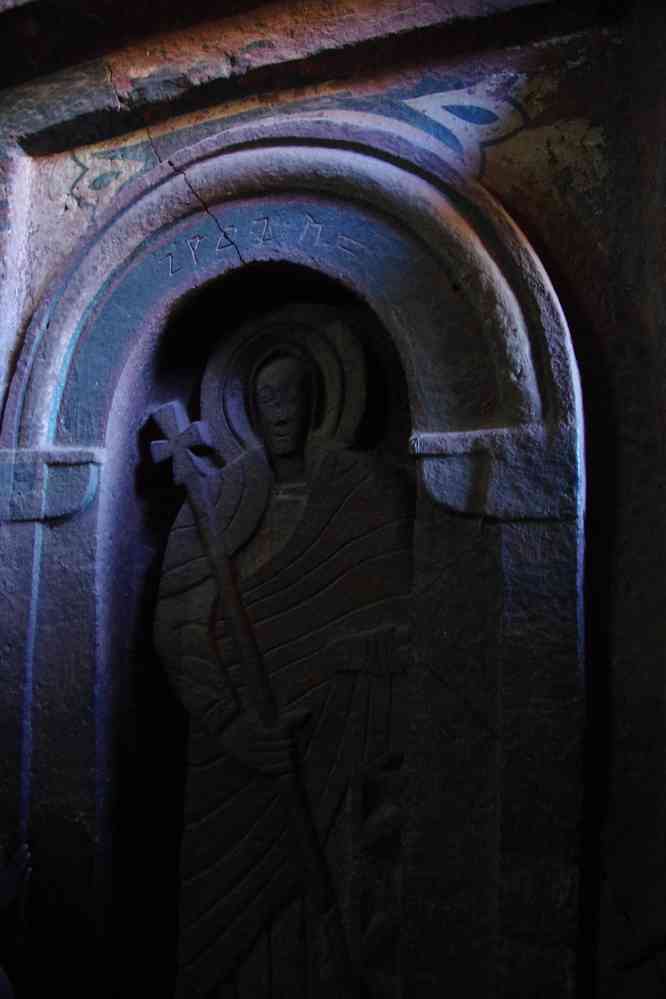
(431, 797)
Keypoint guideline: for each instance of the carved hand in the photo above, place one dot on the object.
(269, 751)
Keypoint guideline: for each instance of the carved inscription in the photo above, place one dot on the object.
(315, 233)
(302, 231)
(194, 242)
(348, 245)
(227, 238)
(173, 266)
(311, 229)
(261, 230)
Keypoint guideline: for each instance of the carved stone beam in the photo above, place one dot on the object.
(509, 473)
(52, 484)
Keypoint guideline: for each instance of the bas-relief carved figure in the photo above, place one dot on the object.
(282, 622)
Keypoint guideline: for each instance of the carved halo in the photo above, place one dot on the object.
(320, 334)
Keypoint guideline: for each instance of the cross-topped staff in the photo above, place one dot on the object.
(190, 471)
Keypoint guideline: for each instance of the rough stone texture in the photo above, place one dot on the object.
(49, 36)
(633, 915)
(483, 347)
(278, 32)
(573, 155)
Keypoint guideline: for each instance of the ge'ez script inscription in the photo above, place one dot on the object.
(199, 249)
(318, 234)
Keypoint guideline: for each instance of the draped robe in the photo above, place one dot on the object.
(326, 580)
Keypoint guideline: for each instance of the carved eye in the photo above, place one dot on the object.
(265, 394)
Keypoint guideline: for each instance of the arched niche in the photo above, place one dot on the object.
(470, 316)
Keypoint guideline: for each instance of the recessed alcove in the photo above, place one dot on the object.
(147, 741)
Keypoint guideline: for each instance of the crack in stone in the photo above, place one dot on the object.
(152, 143)
(195, 193)
(203, 204)
(650, 952)
(182, 173)
(109, 75)
(154, 148)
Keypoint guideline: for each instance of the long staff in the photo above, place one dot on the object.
(181, 438)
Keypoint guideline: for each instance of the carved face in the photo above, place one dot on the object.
(281, 400)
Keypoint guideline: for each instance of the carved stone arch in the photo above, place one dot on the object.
(496, 433)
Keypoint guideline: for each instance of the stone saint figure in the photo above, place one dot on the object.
(290, 873)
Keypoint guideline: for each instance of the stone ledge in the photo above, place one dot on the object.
(53, 484)
(505, 473)
(177, 72)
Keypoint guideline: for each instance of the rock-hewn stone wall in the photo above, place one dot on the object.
(557, 113)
